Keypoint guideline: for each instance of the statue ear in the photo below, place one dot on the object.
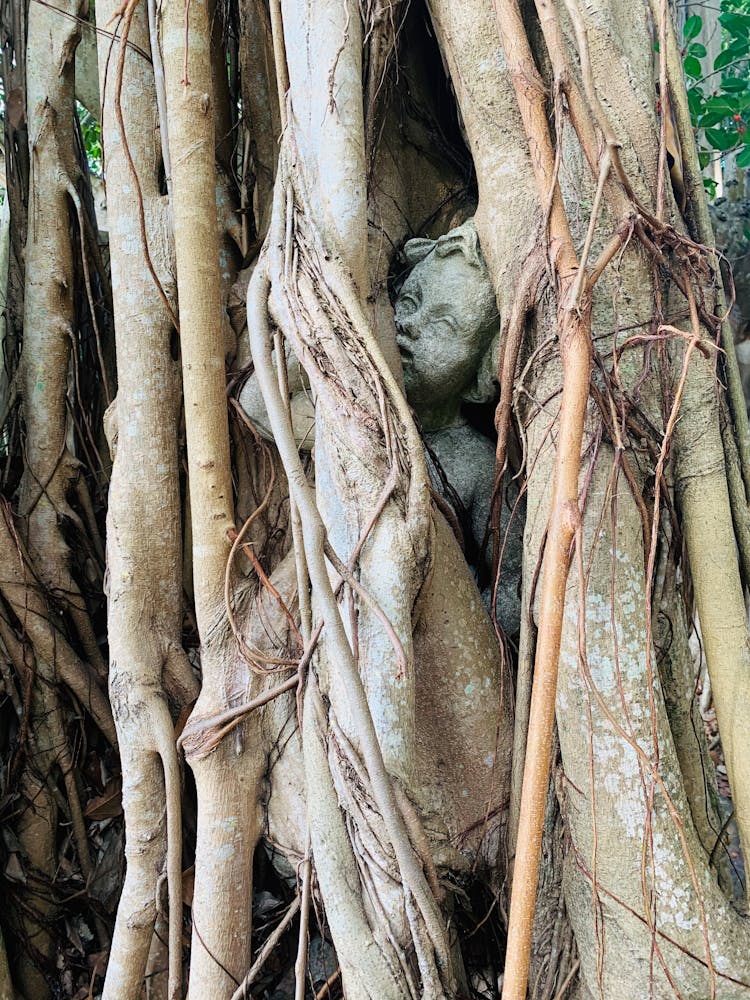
(484, 386)
(416, 250)
(464, 239)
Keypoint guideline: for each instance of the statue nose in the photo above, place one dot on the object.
(404, 328)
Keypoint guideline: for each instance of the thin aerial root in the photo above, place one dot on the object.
(165, 742)
(126, 13)
(203, 737)
(325, 989)
(300, 966)
(273, 939)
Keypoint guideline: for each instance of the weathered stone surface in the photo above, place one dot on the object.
(731, 221)
(447, 328)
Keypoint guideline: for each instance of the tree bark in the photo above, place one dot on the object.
(144, 514)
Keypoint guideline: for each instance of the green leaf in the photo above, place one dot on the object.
(733, 84)
(743, 157)
(692, 27)
(710, 186)
(739, 47)
(693, 67)
(735, 24)
(704, 158)
(746, 234)
(726, 105)
(697, 50)
(720, 140)
(695, 101)
(723, 59)
(712, 118)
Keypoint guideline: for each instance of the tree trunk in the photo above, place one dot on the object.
(143, 523)
(314, 619)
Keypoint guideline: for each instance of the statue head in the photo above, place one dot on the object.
(447, 321)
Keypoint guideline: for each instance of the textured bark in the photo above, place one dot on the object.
(605, 822)
(607, 782)
(370, 476)
(632, 833)
(395, 786)
(6, 984)
(51, 467)
(143, 523)
(228, 816)
(387, 838)
(678, 680)
(331, 159)
(702, 492)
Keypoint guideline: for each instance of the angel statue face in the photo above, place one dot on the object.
(446, 321)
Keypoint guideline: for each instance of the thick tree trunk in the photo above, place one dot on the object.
(612, 811)
(143, 523)
(393, 793)
(228, 790)
(51, 467)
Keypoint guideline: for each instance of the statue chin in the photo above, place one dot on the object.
(412, 385)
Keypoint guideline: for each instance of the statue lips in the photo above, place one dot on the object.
(407, 357)
(403, 341)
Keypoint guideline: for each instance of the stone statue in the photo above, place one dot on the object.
(447, 328)
(731, 224)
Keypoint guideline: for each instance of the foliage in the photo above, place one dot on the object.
(91, 133)
(719, 94)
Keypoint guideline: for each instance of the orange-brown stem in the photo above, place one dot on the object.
(574, 330)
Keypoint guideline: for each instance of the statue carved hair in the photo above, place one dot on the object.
(465, 240)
